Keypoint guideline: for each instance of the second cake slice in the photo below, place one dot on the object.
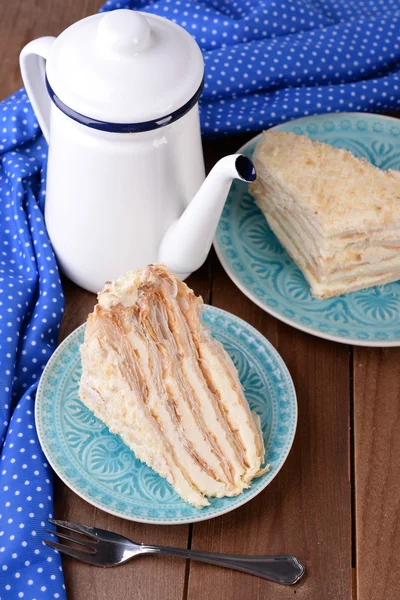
(338, 216)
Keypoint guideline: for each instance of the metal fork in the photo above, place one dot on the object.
(108, 549)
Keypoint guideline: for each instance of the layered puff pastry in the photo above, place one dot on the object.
(337, 216)
(153, 373)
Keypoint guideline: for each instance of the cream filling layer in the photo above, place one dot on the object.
(321, 247)
(343, 256)
(121, 408)
(343, 280)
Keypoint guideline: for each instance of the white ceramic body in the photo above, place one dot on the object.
(111, 197)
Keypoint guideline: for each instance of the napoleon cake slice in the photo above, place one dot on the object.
(337, 216)
(153, 373)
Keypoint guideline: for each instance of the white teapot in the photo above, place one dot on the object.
(116, 96)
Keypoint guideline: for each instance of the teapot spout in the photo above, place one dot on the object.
(186, 243)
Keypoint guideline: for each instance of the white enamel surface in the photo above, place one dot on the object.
(187, 242)
(125, 67)
(33, 68)
(111, 197)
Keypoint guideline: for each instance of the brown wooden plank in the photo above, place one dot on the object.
(377, 472)
(306, 510)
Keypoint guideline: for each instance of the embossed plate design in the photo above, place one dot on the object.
(98, 466)
(256, 262)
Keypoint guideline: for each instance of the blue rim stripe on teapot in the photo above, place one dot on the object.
(124, 127)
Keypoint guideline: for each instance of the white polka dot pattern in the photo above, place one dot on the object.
(267, 61)
(31, 305)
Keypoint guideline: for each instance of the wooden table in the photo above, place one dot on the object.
(335, 504)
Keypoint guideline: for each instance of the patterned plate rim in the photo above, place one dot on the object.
(184, 521)
(242, 287)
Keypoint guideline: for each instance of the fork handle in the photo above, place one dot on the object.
(280, 568)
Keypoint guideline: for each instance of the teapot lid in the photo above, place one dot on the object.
(125, 67)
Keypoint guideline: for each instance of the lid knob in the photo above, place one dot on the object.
(124, 31)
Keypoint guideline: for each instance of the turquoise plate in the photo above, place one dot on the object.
(98, 466)
(260, 267)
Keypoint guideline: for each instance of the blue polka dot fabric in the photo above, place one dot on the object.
(31, 306)
(267, 61)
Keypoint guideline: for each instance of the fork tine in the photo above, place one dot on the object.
(81, 541)
(87, 557)
(76, 527)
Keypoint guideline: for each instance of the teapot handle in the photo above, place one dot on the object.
(32, 62)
